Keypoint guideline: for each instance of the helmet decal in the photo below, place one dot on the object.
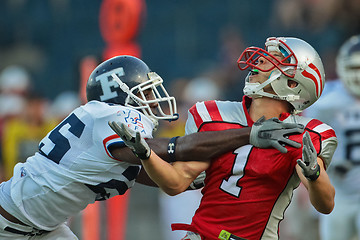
(316, 78)
(108, 84)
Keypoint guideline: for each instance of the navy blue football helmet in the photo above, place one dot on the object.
(125, 80)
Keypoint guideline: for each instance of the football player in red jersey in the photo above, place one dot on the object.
(247, 190)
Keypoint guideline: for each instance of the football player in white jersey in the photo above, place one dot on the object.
(82, 161)
(340, 107)
(247, 191)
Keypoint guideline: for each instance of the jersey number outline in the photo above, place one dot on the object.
(59, 142)
(231, 185)
(114, 187)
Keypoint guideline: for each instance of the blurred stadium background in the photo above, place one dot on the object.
(58, 42)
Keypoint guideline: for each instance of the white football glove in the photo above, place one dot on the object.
(132, 140)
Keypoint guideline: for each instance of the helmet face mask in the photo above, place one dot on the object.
(300, 63)
(249, 58)
(152, 92)
(348, 65)
(128, 81)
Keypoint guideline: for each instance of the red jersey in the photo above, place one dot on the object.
(247, 191)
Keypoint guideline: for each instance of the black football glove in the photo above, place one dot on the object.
(308, 163)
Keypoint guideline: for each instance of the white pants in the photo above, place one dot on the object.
(63, 232)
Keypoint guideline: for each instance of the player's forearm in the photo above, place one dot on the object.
(159, 145)
(209, 145)
(168, 178)
(202, 146)
(321, 192)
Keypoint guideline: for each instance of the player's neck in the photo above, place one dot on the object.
(267, 107)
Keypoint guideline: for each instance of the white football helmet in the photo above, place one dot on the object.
(301, 64)
(348, 64)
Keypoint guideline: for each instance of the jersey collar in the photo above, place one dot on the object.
(246, 106)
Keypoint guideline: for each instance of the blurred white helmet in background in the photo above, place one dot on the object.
(14, 79)
(201, 89)
(64, 104)
(11, 105)
(348, 64)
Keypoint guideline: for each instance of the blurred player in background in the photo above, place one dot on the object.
(340, 107)
(247, 191)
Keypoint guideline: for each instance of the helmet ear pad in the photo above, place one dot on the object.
(284, 86)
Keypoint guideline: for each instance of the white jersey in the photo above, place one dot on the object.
(338, 108)
(73, 167)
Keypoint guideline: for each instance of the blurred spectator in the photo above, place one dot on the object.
(64, 104)
(14, 86)
(348, 17)
(312, 17)
(22, 134)
(295, 15)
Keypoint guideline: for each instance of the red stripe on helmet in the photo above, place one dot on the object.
(313, 67)
(312, 77)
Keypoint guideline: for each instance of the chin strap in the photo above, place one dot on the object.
(256, 90)
(122, 85)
